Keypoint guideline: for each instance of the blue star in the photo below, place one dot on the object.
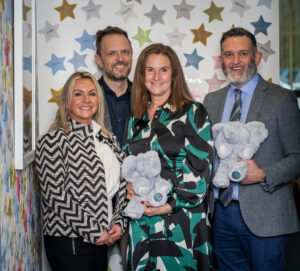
(27, 63)
(267, 3)
(86, 41)
(261, 26)
(193, 59)
(56, 64)
(78, 60)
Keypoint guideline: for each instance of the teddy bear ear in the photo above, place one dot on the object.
(216, 129)
(258, 130)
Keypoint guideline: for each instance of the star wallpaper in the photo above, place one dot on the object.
(66, 38)
(20, 228)
(65, 31)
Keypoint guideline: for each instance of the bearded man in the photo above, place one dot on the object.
(114, 59)
(252, 219)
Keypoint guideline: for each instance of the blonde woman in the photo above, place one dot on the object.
(78, 164)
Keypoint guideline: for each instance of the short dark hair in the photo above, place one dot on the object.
(109, 31)
(239, 32)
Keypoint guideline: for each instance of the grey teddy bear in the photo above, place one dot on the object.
(143, 171)
(234, 140)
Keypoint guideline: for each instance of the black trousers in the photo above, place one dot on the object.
(65, 253)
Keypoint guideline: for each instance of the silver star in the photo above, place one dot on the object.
(265, 49)
(126, 12)
(156, 15)
(49, 31)
(175, 37)
(239, 6)
(183, 10)
(92, 10)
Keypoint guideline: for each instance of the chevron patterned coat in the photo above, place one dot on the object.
(71, 175)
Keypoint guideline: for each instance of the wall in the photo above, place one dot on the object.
(20, 246)
(66, 30)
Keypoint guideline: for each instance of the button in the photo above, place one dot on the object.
(147, 242)
(156, 117)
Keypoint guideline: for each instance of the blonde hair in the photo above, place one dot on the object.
(140, 96)
(63, 112)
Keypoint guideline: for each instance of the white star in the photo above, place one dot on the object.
(175, 37)
(126, 12)
(239, 6)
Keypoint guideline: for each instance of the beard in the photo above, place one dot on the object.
(114, 76)
(248, 73)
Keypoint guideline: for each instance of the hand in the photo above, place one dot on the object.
(115, 233)
(103, 239)
(130, 191)
(254, 174)
(161, 210)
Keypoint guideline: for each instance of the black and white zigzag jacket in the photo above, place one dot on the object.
(71, 175)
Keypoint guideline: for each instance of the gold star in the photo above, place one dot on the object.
(55, 96)
(2, 5)
(66, 10)
(25, 10)
(27, 97)
(200, 34)
(214, 12)
(270, 80)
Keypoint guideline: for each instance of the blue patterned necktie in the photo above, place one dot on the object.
(225, 194)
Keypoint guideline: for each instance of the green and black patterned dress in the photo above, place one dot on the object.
(180, 240)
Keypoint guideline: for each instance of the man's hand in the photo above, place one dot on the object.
(254, 174)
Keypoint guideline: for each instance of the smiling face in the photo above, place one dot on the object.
(115, 57)
(84, 102)
(158, 77)
(239, 61)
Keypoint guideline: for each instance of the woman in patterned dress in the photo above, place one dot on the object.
(78, 164)
(177, 235)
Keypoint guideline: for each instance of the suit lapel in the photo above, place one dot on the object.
(219, 105)
(258, 99)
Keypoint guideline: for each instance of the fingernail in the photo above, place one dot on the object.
(142, 202)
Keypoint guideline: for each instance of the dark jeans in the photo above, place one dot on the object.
(237, 249)
(65, 253)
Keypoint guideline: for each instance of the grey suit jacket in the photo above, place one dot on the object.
(269, 212)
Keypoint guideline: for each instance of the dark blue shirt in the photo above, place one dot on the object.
(118, 109)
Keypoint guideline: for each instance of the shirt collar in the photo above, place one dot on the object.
(108, 90)
(249, 87)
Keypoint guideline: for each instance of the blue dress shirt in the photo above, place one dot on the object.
(246, 96)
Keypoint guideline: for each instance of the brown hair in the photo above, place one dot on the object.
(110, 30)
(140, 96)
(63, 112)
